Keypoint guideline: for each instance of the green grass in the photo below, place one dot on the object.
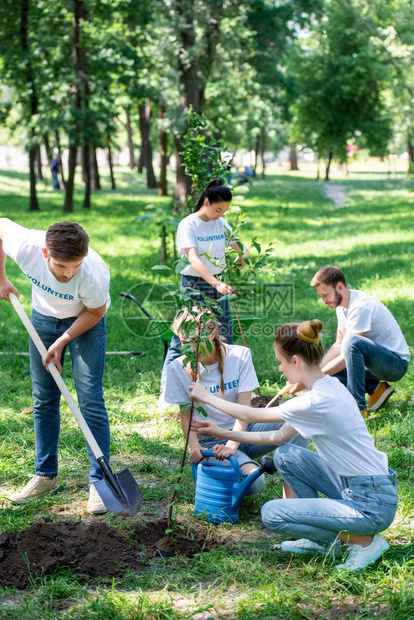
(371, 238)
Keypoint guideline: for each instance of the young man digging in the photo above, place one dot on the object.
(70, 296)
(370, 349)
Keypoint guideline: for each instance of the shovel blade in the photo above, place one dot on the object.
(130, 489)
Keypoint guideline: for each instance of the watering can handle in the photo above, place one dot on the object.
(234, 463)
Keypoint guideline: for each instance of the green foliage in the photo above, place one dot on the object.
(371, 238)
(341, 74)
(203, 156)
(260, 262)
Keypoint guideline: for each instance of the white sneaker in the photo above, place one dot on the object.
(95, 504)
(303, 545)
(35, 488)
(359, 557)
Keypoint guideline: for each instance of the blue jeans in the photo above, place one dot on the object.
(193, 284)
(366, 359)
(246, 453)
(355, 504)
(87, 353)
(55, 179)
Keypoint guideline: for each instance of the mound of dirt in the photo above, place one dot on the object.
(261, 401)
(92, 550)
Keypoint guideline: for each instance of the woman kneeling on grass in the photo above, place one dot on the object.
(227, 370)
(360, 492)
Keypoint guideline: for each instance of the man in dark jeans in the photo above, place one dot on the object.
(70, 296)
(370, 349)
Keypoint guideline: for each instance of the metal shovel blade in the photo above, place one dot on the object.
(131, 492)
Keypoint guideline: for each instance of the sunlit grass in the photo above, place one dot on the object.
(371, 238)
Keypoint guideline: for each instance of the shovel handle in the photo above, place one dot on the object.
(57, 377)
(281, 393)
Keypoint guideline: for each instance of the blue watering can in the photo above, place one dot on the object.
(220, 489)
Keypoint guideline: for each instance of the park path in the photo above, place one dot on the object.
(335, 193)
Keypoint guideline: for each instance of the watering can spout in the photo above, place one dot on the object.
(240, 489)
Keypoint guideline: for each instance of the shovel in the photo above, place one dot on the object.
(275, 399)
(119, 492)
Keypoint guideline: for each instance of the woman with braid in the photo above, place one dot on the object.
(360, 496)
(226, 371)
(202, 235)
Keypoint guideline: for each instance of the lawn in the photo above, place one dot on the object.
(371, 239)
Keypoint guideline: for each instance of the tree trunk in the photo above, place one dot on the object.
(77, 101)
(130, 142)
(87, 175)
(256, 154)
(140, 164)
(183, 182)
(59, 148)
(262, 153)
(188, 77)
(93, 163)
(410, 149)
(68, 204)
(111, 169)
(146, 149)
(24, 44)
(48, 150)
(293, 158)
(39, 163)
(328, 165)
(47, 147)
(162, 185)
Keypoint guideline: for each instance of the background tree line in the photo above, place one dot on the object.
(87, 74)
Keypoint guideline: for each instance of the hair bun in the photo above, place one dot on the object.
(308, 331)
(215, 183)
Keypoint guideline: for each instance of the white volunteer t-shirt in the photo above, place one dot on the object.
(205, 237)
(89, 286)
(329, 415)
(238, 373)
(368, 316)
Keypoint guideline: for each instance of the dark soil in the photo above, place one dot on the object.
(261, 401)
(93, 550)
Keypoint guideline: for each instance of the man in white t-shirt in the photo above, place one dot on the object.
(70, 296)
(370, 349)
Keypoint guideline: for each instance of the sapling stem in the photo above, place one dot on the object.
(187, 437)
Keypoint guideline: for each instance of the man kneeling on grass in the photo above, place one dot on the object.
(370, 349)
(360, 492)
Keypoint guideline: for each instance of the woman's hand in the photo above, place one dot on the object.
(205, 427)
(195, 455)
(198, 393)
(239, 263)
(292, 388)
(223, 451)
(224, 289)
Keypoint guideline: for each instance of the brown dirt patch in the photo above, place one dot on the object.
(93, 550)
(261, 401)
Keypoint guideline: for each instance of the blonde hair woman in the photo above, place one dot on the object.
(360, 492)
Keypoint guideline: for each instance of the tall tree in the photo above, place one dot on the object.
(17, 32)
(341, 74)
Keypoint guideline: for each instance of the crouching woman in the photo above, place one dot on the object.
(360, 490)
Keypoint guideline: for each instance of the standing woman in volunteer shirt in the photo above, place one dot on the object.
(205, 232)
(360, 492)
(226, 371)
